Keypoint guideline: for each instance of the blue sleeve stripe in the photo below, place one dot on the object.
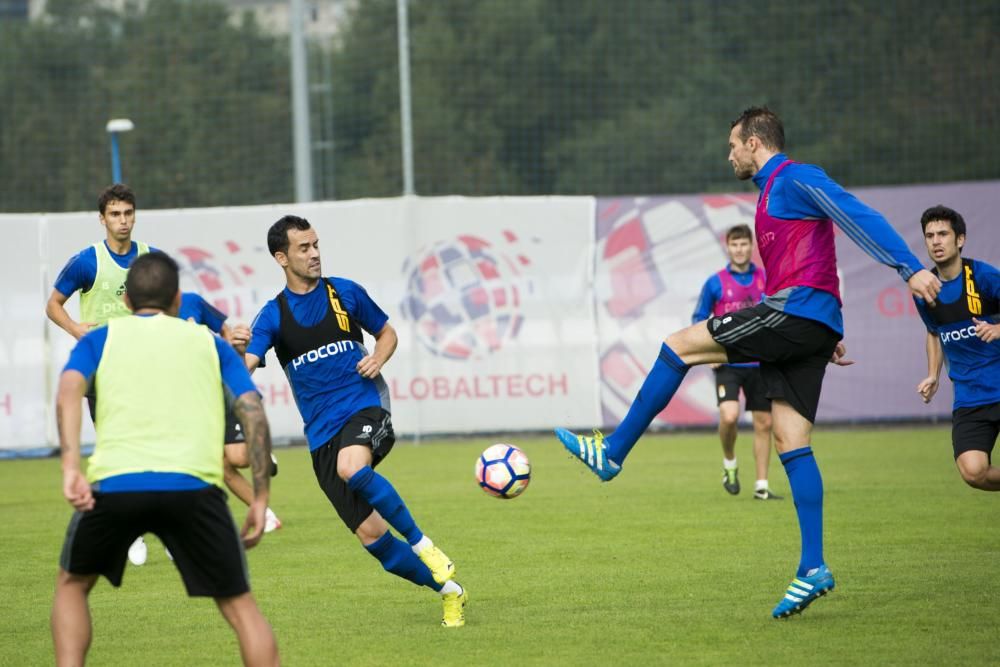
(850, 227)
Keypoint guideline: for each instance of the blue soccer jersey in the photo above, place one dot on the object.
(973, 366)
(199, 311)
(80, 271)
(323, 375)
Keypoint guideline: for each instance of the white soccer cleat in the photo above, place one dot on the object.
(137, 552)
(271, 521)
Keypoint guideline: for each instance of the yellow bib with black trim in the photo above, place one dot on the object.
(106, 297)
(160, 405)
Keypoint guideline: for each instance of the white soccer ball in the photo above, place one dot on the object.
(503, 471)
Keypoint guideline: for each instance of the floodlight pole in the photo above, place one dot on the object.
(406, 116)
(115, 127)
(301, 143)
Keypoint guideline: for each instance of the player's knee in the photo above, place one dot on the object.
(347, 468)
(973, 466)
(728, 417)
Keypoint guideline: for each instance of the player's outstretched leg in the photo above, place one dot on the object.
(605, 455)
(380, 494)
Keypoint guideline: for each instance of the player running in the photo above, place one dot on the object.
(739, 285)
(962, 327)
(794, 332)
(315, 327)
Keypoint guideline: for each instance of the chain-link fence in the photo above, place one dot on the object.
(515, 97)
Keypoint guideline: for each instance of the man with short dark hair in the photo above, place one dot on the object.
(152, 472)
(794, 332)
(739, 285)
(315, 326)
(962, 326)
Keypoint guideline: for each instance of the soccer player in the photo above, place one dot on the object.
(153, 472)
(963, 327)
(315, 327)
(739, 285)
(794, 332)
(98, 272)
(195, 309)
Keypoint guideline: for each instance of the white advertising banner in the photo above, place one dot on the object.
(24, 397)
(491, 299)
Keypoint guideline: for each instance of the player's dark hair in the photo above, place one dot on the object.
(762, 123)
(739, 232)
(116, 192)
(944, 214)
(152, 281)
(277, 235)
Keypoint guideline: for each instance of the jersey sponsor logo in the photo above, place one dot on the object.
(342, 320)
(972, 296)
(957, 335)
(328, 350)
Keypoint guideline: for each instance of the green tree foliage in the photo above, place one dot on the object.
(209, 100)
(513, 97)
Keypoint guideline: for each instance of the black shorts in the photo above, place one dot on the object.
(91, 396)
(234, 432)
(793, 352)
(975, 429)
(729, 380)
(371, 427)
(195, 525)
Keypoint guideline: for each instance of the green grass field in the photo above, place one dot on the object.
(659, 567)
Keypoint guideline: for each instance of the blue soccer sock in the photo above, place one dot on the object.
(657, 389)
(381, 495)
(807, 492)
(396, 557)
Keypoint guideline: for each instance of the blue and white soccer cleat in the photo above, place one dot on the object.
(803, 590)
(592, 451)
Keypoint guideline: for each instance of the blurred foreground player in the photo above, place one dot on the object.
(152, 472)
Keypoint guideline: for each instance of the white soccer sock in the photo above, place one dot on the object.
(422, 544)
(761, 485)
(450, 586)
(729, 464)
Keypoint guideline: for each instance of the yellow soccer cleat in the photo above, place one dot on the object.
(441, 567)
(454, 609)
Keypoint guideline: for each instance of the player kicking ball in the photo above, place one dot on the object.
(794, 332)
(960, 326)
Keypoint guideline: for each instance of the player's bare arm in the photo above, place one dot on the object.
(252, 361)
(55, 309)
(76, 489)
(250, 412)
(935, 357)
(385, 344)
